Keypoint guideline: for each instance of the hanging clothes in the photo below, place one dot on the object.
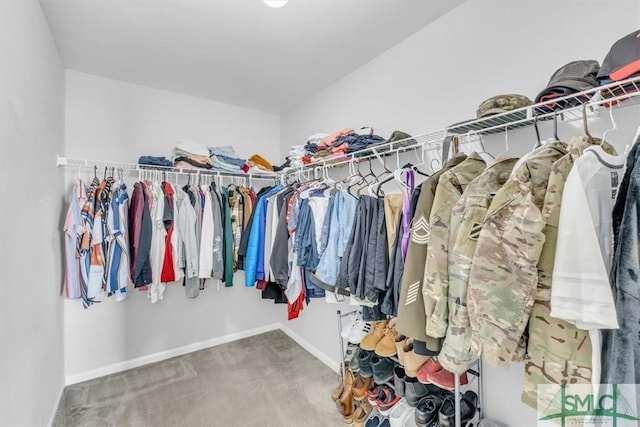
(467, 216)
(557, 352)
(140, 229)
(451, 185)
(504, 267)
(73, 228)
(621, 347)
(411, 313)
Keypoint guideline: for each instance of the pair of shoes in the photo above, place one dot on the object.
(376, 419)
(345, 401)
(432, 372)
(386, 346)
(414, 391)
(377, 332)
(400, 341)
(400, 413)
(399, 380)
(364, 363)
(386, 399)
(359, 331)
(382, 369)
(411, 360)
(468, 407)
(360, 387)
(350, 322)
(351, 357)
(428, 408)
(361, 413)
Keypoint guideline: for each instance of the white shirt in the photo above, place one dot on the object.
(580, 289)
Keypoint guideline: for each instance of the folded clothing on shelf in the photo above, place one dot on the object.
(258, 162)
(192, 153)
(155, 161)
(225, 159)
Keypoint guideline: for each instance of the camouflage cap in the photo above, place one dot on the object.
(501, 104)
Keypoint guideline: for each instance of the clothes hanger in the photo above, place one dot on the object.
(483, 149)
(506, 142)
(614, 129)
(538, 143)
(585, 126)
(555, 125)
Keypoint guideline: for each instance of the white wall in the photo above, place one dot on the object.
(32, 132)
(112, 120)
(437, 77)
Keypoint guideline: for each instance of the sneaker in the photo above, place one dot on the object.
(372, 339)
(350, 322)
(399, 412)
(372, 393)
(431, 367)
(387, 398)
(360, 330)
(446, 380)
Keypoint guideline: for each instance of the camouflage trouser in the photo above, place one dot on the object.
(503, 280)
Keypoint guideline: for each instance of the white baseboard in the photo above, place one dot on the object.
(55, 408)
(163, 355)
(324, 358)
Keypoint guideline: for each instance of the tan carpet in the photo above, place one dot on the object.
(267, 380)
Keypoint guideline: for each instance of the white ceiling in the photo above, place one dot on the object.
(239, 52)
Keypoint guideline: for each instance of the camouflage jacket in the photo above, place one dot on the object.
(435, 287)
(503, 277)
(467, 217)
(557, 352)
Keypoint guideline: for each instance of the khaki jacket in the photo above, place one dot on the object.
(411, 316)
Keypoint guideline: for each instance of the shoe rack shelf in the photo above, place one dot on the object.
(475, 370)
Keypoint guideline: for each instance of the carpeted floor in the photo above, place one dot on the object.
(267, 380)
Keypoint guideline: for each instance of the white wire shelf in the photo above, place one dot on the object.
(621, 94)
(97, 165)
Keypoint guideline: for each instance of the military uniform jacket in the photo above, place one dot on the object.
(411, 317)
(435, 288)
(503, 277)
(467, 217)
(557, 352)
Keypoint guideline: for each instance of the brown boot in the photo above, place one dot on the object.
(387, 345)
(372, 339)
(412, 361)
(400, 341)
(345, 402)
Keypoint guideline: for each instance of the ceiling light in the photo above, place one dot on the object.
(275, 3)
